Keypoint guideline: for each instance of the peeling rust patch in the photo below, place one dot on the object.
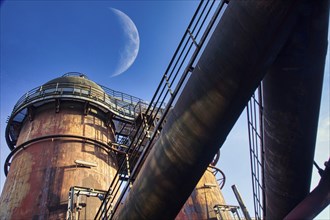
(205, 196)
(41, 175)
(17, 185)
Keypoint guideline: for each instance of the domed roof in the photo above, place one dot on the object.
(76, 78)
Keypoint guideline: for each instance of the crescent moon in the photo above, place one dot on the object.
(132, 42)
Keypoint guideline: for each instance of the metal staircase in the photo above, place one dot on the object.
(138, 140)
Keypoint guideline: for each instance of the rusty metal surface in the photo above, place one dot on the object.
(69, 120)
(41, 175)
(316, 201)
(238, 54)
(292, 93)
(205, 196)
(74, 89)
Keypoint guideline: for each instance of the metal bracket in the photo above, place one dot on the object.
(86, 108)
(57, 105)
(168, 84)
(193, 39)
(31, 111)
(108, 119)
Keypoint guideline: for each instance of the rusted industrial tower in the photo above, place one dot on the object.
(62, 133)
(61, 136)
(68, 139)
(207, 201)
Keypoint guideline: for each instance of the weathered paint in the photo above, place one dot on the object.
(41, 175)
(205, 196)
(11, 197)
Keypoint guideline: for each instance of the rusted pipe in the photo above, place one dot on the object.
(243, 46)
(241, 203)
(316, 201)
(292, 93)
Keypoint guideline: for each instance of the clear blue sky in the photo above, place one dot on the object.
(42, 40)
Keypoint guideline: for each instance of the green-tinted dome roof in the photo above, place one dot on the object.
(76, 78)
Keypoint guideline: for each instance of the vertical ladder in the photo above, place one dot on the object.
(255, 129)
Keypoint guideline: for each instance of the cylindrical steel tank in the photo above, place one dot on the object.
(66, 147)
(206, 195)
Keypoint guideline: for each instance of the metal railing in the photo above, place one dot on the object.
(74, 200)
(219, 175)
(255, 129)
(221, 209)
(168, 90)
(120, 103)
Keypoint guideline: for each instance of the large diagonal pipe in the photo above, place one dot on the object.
(243, 46)
(292, 94)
